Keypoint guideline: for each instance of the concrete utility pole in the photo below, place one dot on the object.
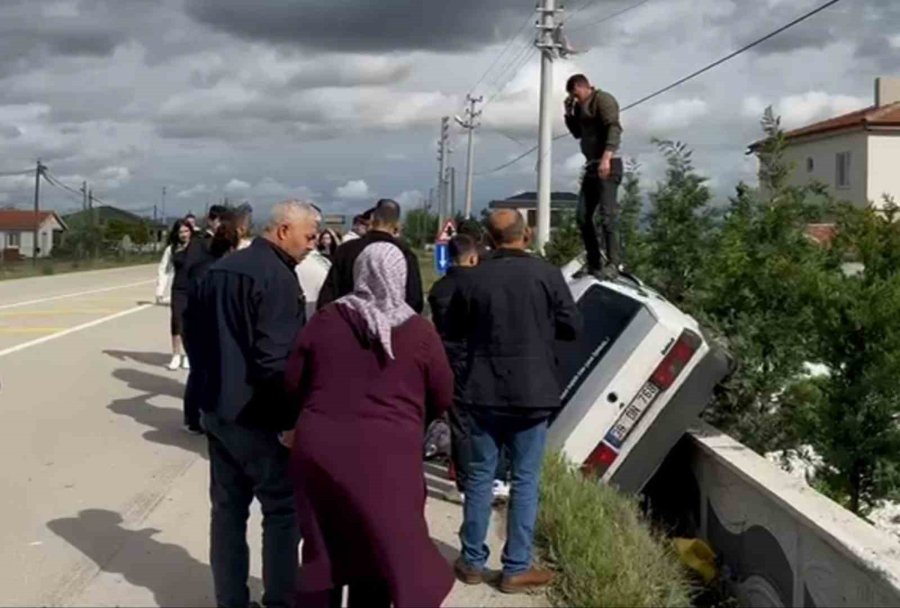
(470, 125)
(38, 173)
(443, 162)
(84, 194)
(451, 181)
(547, 43)
(163, 205)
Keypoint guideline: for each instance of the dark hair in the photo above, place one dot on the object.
(577, 79)
(226, 239)
(386, 213)
(218, 212)
(334, 242)
(471, 228)
(360, 219)
(461, 246)
(190, 215)
(174, 241)
(509, 233)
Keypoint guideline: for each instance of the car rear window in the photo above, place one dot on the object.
(606, 314)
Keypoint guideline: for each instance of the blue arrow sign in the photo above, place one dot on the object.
(441, 257)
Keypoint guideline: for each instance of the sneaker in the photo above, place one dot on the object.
(469, 575)
(175, 363)
(455, 496)
(501, 491)
(533, 579)
(185, 364)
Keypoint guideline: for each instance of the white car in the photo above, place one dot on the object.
(637, 377)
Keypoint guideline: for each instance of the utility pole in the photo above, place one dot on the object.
(163, 205)
(547, 42)
(84, 200)
(470, 125)
(443, 162)
(38, 173)
(451, 181)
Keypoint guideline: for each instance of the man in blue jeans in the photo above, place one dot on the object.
(508, 312)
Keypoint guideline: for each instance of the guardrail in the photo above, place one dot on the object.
(781, 543)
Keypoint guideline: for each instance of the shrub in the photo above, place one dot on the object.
(606, 552)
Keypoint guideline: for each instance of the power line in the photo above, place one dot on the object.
(509, 45)
(691, 76)
(608, 17)
(524, 58)
(16, 173)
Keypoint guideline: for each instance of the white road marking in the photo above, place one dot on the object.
(75, 295)
(72, 330)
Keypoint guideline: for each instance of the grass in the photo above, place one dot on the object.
(604, 550)
(46, 267)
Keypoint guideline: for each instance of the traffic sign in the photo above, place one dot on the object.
(441, 257)
(447, 232)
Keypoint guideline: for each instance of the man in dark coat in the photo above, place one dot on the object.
(253, 309)
(198, 258)
(509, 312)
(385, 227)
(592, 117)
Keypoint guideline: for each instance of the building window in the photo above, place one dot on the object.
(810, 164)
(13, 239)
(843, 170)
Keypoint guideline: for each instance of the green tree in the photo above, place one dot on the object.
(565, 241)
(756, 292)
(632, 213)
(854, 424)
(679, 225)
(420, 227)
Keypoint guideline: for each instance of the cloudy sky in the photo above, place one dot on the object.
(340, 100)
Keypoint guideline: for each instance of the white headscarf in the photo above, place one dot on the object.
(379, 291)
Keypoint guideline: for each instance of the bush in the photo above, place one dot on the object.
(606, 552)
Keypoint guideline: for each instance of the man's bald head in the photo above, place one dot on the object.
(507, 229)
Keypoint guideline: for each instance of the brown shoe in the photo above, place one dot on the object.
(535, 578)
(470, 575)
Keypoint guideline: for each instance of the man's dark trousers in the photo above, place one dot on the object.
(600, 193)
(248, 462)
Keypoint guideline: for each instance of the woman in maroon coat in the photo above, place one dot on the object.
(368, 372)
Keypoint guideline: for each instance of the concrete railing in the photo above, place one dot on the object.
(780, 542)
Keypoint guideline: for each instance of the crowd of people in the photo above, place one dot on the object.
(318, 408)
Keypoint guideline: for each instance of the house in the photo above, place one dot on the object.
(335, 221)
(526, 204)
(113, 220)
(855, 155)
(17, 232)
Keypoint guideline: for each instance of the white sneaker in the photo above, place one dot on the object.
(185, 364)
(501, 491)
(175, 363)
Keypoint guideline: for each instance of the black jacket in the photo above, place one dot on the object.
(339, 281)
(439, 302)
(245, 315)
(198, 258)
(509, 311)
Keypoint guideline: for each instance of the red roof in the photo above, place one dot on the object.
(823, 234)
(873, 116)
(16, 219)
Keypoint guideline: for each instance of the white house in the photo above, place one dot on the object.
(17, 232)
(857, 155)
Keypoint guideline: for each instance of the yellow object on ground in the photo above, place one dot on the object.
(698, 556)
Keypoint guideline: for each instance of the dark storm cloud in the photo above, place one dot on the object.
(367, 26)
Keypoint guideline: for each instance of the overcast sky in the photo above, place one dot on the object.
(340, 100)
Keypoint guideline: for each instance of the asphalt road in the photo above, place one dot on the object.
(104, 497)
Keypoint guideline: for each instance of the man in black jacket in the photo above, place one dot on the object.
(592, 116)
(253, 309)
(509, 311)
(385, 227)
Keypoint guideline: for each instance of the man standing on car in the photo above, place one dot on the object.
(592, 116)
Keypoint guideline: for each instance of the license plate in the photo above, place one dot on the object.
(632, 414)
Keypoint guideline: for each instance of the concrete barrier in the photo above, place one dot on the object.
(780, 542)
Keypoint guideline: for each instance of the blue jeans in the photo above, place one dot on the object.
(524, 440)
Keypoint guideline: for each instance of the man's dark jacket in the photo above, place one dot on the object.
(198, 258)
(248, 310)
(596, 123)
(339, 281)
(509, 311)
(439, 302)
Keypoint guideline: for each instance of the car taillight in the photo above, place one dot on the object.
(676, 359)
(600, 460)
